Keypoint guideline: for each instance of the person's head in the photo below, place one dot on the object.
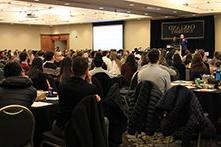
(98, 61)
(188, 59)
(154, 56)
(49, 55)
(23, 56)
(177, 59)
(131, 59)
(65, 65)
(216, 55)
(126, 52)
(40, 53)
(79, 66)
(197, 59)
(37, 63)
(201, 52)
(12, 69)
(181, 36)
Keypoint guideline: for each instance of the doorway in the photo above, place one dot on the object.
(51, 42)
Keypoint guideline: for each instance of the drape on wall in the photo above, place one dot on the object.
(207, 43)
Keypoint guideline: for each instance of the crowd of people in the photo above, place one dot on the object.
(70, 74)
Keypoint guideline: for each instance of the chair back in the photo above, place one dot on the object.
(104, 80)
(16, 127)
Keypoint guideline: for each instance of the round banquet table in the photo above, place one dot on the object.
(210, 100)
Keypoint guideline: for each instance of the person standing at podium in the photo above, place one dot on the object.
(183, 44)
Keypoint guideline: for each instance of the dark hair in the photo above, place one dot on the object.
(23, 56)
(40, 53)
(197, 59)
(131, 60)
(12, 69)
(177, 59)
(154, 55)
(98, 61)
(48, 55)
(188, 59)
(201, 52)
(65, 72)
(79, 66)
(104, 53)
(35, 66)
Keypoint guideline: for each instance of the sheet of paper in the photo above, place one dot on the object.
(52, 98)
(40, 104)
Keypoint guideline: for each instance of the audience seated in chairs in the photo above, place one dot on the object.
(198, 68)
(128, 69)
(16, 88)
(37, 76)
(154, 72)
(71, 92)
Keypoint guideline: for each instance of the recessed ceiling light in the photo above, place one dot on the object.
(66, 4)
(101, 8)
(174, 11)
(131, 5)
(166, 16)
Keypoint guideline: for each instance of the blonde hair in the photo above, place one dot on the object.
(114, 57)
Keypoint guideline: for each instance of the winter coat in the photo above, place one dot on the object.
(143, 115)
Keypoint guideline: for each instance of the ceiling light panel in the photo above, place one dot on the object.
(43, 14)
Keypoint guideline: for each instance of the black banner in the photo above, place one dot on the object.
(190, 29)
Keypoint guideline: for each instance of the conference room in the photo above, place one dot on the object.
(110, 73)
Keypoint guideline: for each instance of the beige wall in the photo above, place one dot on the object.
(137, 34)
(218, 33)
(80, 35)
(13, 36)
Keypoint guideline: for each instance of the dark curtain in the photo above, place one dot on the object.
(207, 43)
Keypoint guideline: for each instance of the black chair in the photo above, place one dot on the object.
(50, 139)
(16, 127)
(104, 80)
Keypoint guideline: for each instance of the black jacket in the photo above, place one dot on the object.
(143, 115)
(17, 90)
(71, 92)
(183, 110)
(116, 111)
(86, 127)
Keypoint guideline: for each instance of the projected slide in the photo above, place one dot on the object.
(108, 37)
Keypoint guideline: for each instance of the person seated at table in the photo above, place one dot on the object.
(71, 92)
(198, 68)
(98, 63)
(49, 67)
(23, 57)
(129, 68)
(116, 64)
(205, 59)
(37, 76)
(65, 72)
(154, 72)
(178, 64)
(16, 88)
